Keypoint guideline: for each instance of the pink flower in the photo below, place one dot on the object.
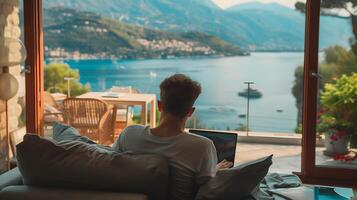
(338, 157)
(340, 134)
(333, 138)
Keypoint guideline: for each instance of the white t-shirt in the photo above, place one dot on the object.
(192, 158)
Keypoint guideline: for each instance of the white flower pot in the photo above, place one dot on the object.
(339, 146)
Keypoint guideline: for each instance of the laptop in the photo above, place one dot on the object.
(225, 143)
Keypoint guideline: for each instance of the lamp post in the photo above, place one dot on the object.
(248, 98)
(68, 79)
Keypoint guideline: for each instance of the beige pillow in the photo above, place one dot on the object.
(235, 183)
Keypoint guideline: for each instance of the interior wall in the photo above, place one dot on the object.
(9, 27)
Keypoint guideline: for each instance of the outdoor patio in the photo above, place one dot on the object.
(287, 158)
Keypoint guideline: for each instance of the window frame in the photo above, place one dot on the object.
(310, 173)
(33, 36)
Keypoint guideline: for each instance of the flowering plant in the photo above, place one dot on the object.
(349, 157)
(339, 100)
(327, 122)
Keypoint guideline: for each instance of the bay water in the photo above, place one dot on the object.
(219, 105)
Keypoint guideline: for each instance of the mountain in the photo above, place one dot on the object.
(172, 15)
(69, 32)
(253, 26)
(286, 27)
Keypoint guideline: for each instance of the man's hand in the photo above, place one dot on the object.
(224, 164)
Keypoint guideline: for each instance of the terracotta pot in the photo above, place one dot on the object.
(339, 146)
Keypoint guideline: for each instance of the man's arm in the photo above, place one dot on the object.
(208, 167)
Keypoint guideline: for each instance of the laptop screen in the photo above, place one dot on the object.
(224, 142)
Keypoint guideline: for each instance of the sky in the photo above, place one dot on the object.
(228, 3)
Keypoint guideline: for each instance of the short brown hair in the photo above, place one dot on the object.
(178, 93)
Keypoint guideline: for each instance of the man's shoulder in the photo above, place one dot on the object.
(135, 129)
(199, 140)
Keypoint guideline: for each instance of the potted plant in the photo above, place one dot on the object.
(336, 138)
(339, 119)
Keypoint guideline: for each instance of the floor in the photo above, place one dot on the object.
(286, 159)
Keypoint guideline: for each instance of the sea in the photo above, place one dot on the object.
(219, 106)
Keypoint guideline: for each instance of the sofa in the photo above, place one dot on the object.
(78, 170)
(12, 188)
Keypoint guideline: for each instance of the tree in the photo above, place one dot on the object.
(337, 61)
(338, 8)
(242, 127)
(54, 79)
(297, 91)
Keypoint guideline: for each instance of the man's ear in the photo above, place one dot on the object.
(191, 111)
(159, 105)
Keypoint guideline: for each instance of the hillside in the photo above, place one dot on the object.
(253, 26)
(69, 32)
(286, 27)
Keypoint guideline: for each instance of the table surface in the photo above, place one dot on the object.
(59, 96)
(128, 97)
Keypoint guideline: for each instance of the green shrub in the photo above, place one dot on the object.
(54, 79)
(339, 100)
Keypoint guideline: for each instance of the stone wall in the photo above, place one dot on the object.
(9, 27)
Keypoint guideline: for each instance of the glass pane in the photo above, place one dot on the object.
(259, 42)
(12, 110)
(337, 105)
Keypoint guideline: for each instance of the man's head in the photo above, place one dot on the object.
(178, 93)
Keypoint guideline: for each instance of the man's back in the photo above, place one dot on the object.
(192, 158)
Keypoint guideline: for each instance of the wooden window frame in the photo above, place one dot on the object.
(310, 173)
(33, 35)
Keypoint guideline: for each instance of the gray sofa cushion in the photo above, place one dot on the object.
(79, 165)
(235, 183)
(12, 177)
(62, 132)
(42, 193)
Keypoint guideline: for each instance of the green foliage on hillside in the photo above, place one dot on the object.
(93, 34)
(214, 42)
(253, 25)
(54, 79)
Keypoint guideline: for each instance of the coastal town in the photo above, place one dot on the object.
(168, 48)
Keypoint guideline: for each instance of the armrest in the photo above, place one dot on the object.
(12, 177)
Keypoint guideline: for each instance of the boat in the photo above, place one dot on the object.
(242, 115)
(153, 74)
(253, 93)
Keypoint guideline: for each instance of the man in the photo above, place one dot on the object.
(192, 159)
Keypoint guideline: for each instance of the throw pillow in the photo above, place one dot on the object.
(78, 165)
(235, 183)
(62, 132)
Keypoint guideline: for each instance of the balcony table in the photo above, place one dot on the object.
(129, 99)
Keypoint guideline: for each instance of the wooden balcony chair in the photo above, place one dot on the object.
(124, 113)
(52, 112)
(16, 137)
(92, 118)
